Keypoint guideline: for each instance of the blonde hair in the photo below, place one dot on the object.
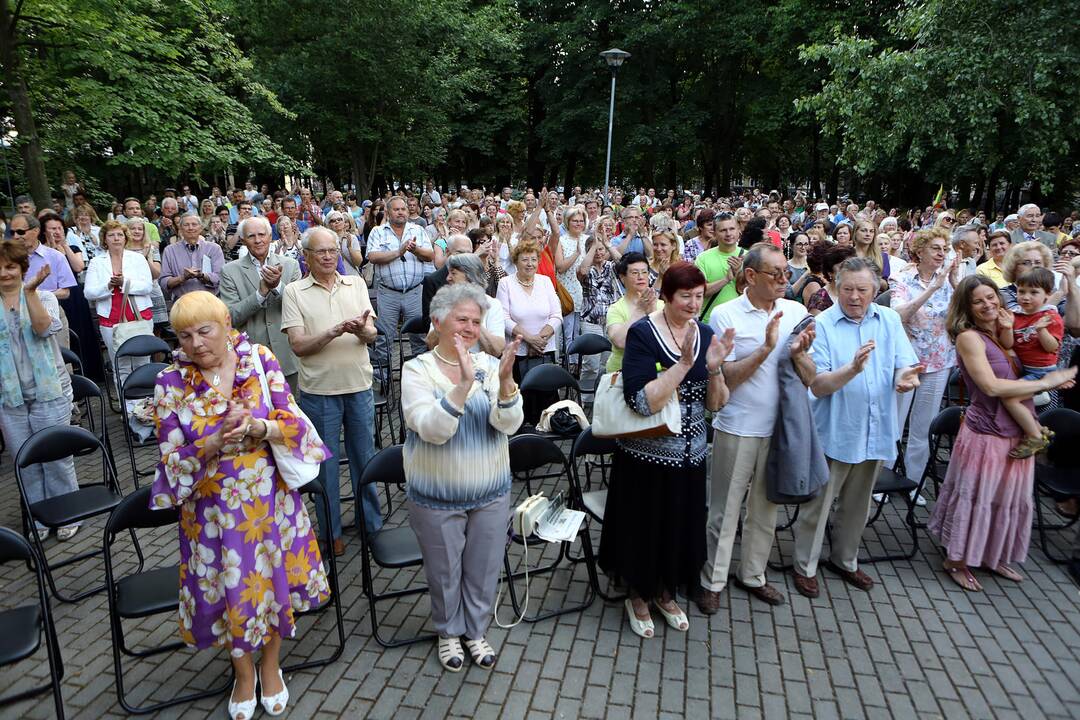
(873, 252)
(924, 237)
(524, 245)
(515, 209)
(198, 307)
(673, 256)
(1012, 258)
(577, 210)
(114, 225)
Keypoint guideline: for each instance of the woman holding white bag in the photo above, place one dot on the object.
(112, 277)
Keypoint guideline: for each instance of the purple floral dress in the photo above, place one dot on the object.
(248, 556)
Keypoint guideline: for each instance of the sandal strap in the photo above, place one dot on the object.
(479, 648)
(450, 648)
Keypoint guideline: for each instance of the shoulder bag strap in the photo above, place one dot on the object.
(257, 362)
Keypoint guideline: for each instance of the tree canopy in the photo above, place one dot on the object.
(876, 97)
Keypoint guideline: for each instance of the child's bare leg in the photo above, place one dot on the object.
(1023, 416)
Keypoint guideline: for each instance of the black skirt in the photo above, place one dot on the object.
(653, 537)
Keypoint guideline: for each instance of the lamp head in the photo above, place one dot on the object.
(615, 57)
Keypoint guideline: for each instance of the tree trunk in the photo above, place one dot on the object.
(22, 109)
(815, 165)
(571, 172)
(989, 202)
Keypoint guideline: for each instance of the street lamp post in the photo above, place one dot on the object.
(615, 58)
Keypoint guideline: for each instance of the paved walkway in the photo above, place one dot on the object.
(915, 646)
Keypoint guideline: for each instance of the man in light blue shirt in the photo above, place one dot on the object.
(863, 358)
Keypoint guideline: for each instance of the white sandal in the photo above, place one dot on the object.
(642, 628)
(244, 710)
(678, 620)
(450, 654)
(482, 653)
(280, 700)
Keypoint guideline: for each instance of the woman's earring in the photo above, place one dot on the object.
(229, 345)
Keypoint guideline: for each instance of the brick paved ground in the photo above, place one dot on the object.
(916, 645)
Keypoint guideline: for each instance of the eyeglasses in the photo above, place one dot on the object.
(948, 220)
(20, 232)
(1069, 253)
(1029, 263)
(777, 275)
(325, 252)
(724, 215)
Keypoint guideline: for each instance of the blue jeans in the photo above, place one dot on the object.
(356, 413)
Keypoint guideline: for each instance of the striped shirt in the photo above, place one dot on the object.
(408, 271)
(456, 458)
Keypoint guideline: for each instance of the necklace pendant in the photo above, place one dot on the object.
(216, 379)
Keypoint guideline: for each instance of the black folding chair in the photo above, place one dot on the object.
(412, 326)
(56, 443)
(1059, 477)
(584, 345)
(384, 399)
(138, 386)
(86, 391)
(892, 482)
(389, 547)
(317, 494)
(142, 594)
(546, 381)
(529, 456)
(943, 431)
(138, 346)
(21, 628)
(72, 358)
(583, 497)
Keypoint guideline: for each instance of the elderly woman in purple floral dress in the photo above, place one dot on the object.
(248, 556)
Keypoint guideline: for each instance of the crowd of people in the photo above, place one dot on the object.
(747, 312)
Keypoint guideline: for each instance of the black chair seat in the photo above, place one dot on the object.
(395, 547)
(889, 481)
(148, 593)
(595, 502)
(21, 632)
(379, 399)
(75, 506)
(1058, 482)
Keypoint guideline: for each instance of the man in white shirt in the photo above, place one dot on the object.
(402, 254)
(744, 427)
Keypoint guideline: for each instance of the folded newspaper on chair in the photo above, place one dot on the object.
(559, 523)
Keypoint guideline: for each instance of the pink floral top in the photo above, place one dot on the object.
(248, 555)
(926, 328)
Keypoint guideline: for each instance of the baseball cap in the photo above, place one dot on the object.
(821, 207)
(1012, 218)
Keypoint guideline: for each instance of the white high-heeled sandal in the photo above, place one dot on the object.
(642, 628)
(281, 699)
(677, 620)
(244, 710)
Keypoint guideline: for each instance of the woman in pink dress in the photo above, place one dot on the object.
(983, 512)
(248, 556)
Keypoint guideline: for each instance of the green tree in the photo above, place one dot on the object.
(145, 84)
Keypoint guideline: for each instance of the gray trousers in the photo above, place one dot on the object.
(463, 552)
(738, 473)
(46, 480)
(852, 486)
(394, 308)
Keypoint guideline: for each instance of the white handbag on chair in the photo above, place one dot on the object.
(613, 418)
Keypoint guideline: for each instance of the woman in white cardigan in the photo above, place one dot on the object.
(107, 277)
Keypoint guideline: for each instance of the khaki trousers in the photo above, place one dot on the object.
(852, 485)
(738, 473)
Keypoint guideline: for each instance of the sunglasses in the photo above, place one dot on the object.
(20, 233)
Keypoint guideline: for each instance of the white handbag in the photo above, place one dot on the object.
(296, 473)
(528, 513)
(613, 418)
(126, 329)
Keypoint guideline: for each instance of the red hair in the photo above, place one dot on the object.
(680, 276)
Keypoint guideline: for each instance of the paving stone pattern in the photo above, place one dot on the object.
(915, 646)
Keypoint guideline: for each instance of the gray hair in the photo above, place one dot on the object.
(959, 233)
(755, 258)
(1028, 206)
(248, 222)
(31, 221)
(471, 266)
(450, 296)
(856, 265)
(169, 201)
(309, 234)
